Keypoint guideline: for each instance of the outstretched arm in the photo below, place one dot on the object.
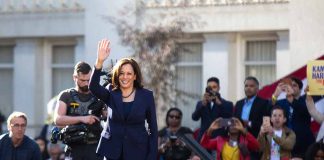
(312, 109)
(94, 86)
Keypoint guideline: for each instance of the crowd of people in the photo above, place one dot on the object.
(280, 129)
(118, 122)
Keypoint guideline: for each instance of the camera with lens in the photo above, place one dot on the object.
(227, 122)
(71, 134)
(176, 150)
(212, 93)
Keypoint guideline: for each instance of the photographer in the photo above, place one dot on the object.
(211, 107)
(170, 145)
(79, 112)
(237, 143)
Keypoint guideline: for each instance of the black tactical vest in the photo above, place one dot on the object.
(78, 107)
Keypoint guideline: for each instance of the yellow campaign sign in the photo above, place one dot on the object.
(315, 77)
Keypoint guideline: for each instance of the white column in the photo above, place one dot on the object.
(215, 60)
(25, 81)
(283, 57)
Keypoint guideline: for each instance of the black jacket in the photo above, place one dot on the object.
(260, 108)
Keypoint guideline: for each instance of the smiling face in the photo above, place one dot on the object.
(126, 76)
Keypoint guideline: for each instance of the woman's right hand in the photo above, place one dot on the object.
(215, 125)
(103, 52)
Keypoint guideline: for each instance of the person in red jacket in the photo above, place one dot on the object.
(234, 146)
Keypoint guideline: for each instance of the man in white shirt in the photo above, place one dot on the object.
(276, 140)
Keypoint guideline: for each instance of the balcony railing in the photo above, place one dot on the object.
(25, 6)
(192, 3)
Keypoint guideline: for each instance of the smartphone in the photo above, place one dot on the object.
(266, 121)
(287, 81)
(226, 122)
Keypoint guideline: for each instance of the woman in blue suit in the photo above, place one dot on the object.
(126, 138)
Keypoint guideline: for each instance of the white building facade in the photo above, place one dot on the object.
(40, 41)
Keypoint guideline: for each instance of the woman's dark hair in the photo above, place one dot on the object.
(117, 69)
(168, 113)
(313, 149)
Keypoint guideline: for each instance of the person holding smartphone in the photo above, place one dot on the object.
(276, 140)
(298, 117)
(236, 144)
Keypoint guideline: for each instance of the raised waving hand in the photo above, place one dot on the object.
(103, 52)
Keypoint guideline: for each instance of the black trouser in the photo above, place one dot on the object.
(120, 157)
(83, 152)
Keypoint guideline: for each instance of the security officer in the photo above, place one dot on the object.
(73, 111)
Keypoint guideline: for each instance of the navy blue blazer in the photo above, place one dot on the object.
(208, 115)
(129, 137)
